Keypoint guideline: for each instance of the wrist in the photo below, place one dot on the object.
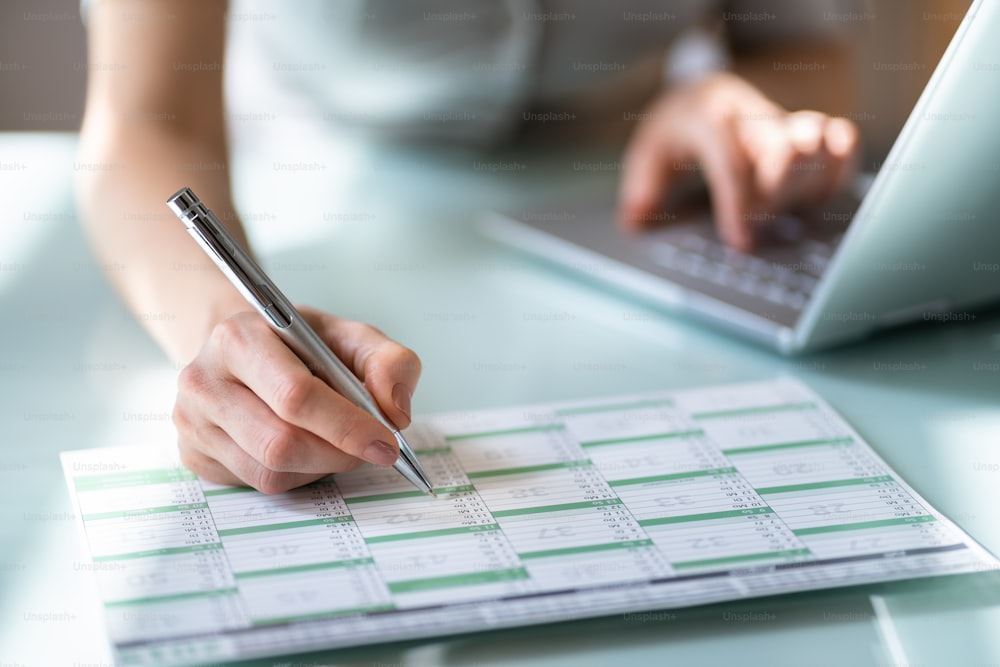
(695, 55)
(187, 334)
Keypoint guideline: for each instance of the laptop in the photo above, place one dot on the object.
(920, 241)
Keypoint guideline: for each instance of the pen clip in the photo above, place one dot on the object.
(224, 253)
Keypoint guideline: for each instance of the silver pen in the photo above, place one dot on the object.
(264, 296)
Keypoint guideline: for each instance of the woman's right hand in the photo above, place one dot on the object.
(249, 412)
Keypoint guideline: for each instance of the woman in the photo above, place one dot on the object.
(247, 410)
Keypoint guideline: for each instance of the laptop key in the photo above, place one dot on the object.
(727, 276)
(776, 293)
(733, 258)
(695, 244)
(767, 279)
(784, 276)
(701, 267)
(760, 267)
(751, 284)
(664, 254)
(815, 263)
(807, 283)
(796, 300)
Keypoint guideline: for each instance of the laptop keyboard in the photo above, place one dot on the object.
(787, 279)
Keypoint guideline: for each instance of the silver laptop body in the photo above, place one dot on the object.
(923, 244)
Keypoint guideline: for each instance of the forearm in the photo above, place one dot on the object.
(153, 124)
(165, 279)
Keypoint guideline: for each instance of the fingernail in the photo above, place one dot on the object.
(380, 454)
(401, 397)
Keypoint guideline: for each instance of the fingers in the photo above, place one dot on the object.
(804, 130)
(257, 358)
(727, 174)
(389, 370)
(757, 159)
(276, 444)
(249, 411)
(843, 141)
(235, 467)
(688, 130)
(645, 178)
(791, 164)
(806, 157)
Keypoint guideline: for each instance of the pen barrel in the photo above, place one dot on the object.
(324, 364)
(303, 340)
(265, 297)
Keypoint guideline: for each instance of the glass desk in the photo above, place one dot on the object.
(387, 235)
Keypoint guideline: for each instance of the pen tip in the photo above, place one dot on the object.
(432, 492)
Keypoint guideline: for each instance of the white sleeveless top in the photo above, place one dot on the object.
(471, 70)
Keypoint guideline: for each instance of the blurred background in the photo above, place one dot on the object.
(43, 70)
(102, 381)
